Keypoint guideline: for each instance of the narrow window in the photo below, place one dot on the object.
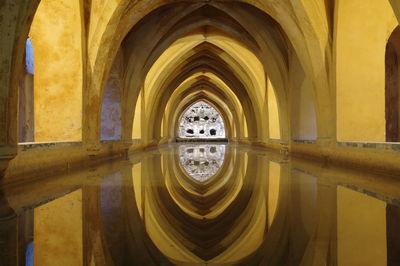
(26, 96)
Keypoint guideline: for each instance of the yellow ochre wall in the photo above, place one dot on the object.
(56, 36)
(363, 28)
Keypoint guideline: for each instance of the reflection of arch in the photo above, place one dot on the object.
(201, 120)
(230, 219)
(392, 87)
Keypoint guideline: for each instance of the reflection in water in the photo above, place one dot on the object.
(262, 210)
(201, 162)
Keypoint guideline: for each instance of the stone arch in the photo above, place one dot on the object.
(295, 30)
(225, 104)
(284, 114)
(211, 66)
(16, 21)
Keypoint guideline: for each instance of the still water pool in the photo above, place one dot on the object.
(203, 204)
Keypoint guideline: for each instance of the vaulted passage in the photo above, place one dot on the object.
(199, 132)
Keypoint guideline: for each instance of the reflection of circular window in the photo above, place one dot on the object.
(201, 162)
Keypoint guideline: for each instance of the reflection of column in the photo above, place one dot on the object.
(93, 248)
(321, 248)
(361, 229)
(8, 233)
(274, 181)
(25, 235)
(58, 231)
(139, 247)
(303, 213)
(274, 249)
(393, 235)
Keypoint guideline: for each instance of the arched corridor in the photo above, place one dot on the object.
(183, 125)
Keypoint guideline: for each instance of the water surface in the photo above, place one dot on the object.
(203, 204)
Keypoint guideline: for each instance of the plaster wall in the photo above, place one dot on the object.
(56, 36)
(362, 30)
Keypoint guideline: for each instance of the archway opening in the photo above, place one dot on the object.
(392, 87)
(201, 121)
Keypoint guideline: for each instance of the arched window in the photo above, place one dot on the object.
(392, 87)
(201, 121)
(29, 61)
(26, 97)
(201, 162)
